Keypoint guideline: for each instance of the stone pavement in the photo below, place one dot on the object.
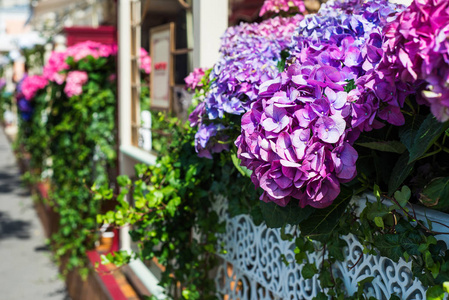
(26, 269)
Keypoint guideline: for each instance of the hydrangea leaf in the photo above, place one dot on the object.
(407, 133)
(323, 221)
(385, 146)
(400, 172)
(277, 216)
(429, 131)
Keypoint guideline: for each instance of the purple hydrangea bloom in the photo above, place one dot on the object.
(249, 55)
(416, 53)
(300, 149)
(297, 137)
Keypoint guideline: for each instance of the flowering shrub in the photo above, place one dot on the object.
(319, 113)
(297, 137)
(342, 109)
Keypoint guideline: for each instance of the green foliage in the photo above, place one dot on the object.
(33, 135)
(82, 138)
(276, 216)
(171, 212)
(436, 194)
(428, 133)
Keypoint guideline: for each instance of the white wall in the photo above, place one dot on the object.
(210, 20)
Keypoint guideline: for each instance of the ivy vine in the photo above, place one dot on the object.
(82, 139)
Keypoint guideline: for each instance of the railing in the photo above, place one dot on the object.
(253, 267)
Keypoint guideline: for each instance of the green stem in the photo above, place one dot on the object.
(407, 101)
(432, 153)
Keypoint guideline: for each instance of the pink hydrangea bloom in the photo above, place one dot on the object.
(74, 83)
(194, 79)
(32, 84)
(417, 51)
(281, 5)
(55, 64)
(95, 49)
(145, 61)
(57, 61)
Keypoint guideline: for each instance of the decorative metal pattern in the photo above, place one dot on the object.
(253, 268)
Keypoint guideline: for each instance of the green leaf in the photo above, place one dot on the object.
(361, 286)
(385, 146)
(403, 196)
(435, 293)
(436, 194)
(400, 172)
(407, 133)
(377, 192)
(379, 222)
(308, 271)
(123, 180)
(284, 260)
(281, 63)
(429, 131)
(389, 245)
(350, 85)
(243, 170)
(323, 221)
(276, 216)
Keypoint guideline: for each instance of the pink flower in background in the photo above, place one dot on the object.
(194, 79)
(32, 84)
(95, 49)
(145, 61)
(2, 83)
(55, 64)
(281, 5)
(74, 83)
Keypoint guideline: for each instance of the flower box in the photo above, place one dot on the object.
(253, 266)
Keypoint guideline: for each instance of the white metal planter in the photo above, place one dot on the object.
(253, 268)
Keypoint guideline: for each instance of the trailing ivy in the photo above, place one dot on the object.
(82, 135)
(169, 206)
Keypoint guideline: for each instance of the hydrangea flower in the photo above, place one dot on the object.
(74, 83)
(193, 80)
(32, 84)
(297, 137)
(56, 63)
(297, 140)
(144, 61)
(416, 52)
(249, 55)
(94, 49)
(277, 6)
